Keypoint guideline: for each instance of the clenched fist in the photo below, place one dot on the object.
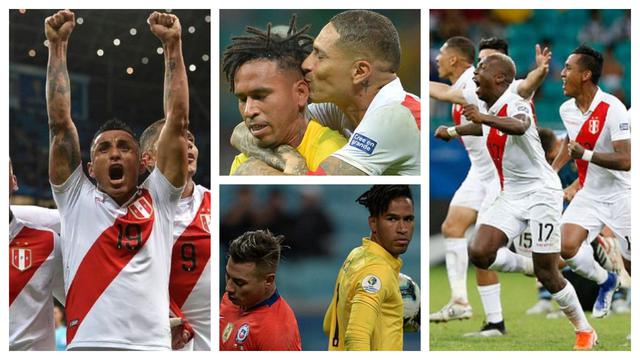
(442, 133)
(58, 27)
(165, 27)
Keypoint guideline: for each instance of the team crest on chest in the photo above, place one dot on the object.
(21, 258)
(242, 334)
(227, 332)
(141, 208)
(594, 125)
(205, 220)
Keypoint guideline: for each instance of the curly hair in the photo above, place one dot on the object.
(288, 49)
(377, 198)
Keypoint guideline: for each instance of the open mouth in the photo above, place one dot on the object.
(258, 129)
(116, 172)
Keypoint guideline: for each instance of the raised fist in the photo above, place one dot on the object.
(165, 27)
(58, 27)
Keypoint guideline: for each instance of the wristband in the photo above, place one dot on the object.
(587, 155)
(453, 132)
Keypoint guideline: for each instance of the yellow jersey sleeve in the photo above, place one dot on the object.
(373, 286)
(239, 159)
(318, 143)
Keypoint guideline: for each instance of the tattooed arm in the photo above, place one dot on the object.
(172, 143)
(294, 164)
(334, 166)
(242, 140)
(64, 145)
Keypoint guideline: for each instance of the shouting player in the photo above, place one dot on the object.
(366, 312)
(117, 236)
(190, 279)
(599, 140)
(480, 186)
(531, 192)
(253, 315)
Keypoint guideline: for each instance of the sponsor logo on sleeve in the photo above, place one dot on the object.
(371, 284)
(523, 108)
(363, 143)
(624, 126)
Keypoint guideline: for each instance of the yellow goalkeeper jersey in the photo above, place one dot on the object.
(366, 310)
(317, 144)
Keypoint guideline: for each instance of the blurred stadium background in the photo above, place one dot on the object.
(233, 23)
(562, 30)
(117, 71)
(321, 224)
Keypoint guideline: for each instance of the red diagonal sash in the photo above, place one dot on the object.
(496, 143)
(414, 106)
(191, 253)
(27, 252)
(106, 258)
(589, 134)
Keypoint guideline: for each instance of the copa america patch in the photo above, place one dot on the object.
(363, 143)
(371, 284)
(242, 333)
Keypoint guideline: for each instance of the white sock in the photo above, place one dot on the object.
(457, 260)
(490, 296)
(508, 261)
(586, 266)
(570, 306)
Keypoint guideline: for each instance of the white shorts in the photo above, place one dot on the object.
(476, 193)
(540, 211)
(522, 243)
(593, 215)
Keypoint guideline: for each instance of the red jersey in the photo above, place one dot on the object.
(270, 325)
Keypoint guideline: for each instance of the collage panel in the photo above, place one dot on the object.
(319, 92)
(325, 267)
(530, 174)
(109, 170)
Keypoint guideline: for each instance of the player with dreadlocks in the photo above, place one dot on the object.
(264, 71)
(366, 310)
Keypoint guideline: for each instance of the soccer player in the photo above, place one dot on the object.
(366, 312)
(599, 140)
(481, 186)
(117, 236)
(352, 75)
(531, 194)
(190, 279)
(35, 277)
(265, 74)
(253, 315)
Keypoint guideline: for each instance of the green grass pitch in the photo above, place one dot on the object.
(524, 332)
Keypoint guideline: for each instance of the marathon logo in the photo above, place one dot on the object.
(523, 108)
(624, 126)
(363, 143)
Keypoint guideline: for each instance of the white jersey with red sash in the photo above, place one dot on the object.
(387, 139)
(35, 275)
(190, 281)
(475, 145)
(606, 121)
(519, 160)
(116, 263)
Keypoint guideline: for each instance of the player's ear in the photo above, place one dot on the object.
(361, 71)
(146, 161)
(373, 222)
(301, 89)
(270, 279)
(90, 170)
(586, 75)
